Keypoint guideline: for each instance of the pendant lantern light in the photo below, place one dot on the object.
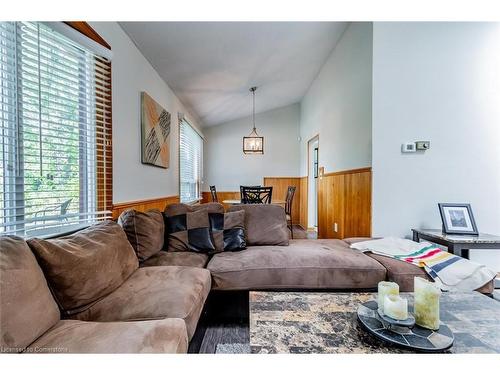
(253, 143)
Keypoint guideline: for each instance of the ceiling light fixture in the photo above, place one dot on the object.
(253, 144)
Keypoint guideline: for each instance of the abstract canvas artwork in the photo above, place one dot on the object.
(155, 125)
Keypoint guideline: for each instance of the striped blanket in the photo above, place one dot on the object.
(451, 272)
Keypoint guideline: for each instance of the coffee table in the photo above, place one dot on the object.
(298, 322)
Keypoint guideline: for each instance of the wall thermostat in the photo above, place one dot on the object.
(408, 147)
(423, 145)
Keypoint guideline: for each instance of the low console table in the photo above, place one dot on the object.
(457, 244)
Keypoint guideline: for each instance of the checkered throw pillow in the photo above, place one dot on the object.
(228, 230)
(189, 232)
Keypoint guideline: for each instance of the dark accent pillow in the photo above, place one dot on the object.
(228, 230)
(189, 232)
(179, 209)
(145, 231)
(182, 208)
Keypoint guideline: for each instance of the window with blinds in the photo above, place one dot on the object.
(55, 146)
(191, 163)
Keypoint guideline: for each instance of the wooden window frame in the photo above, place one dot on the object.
(104, 149)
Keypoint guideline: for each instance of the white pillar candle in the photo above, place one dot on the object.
(426, 305)
(395, 307)
(386, 288)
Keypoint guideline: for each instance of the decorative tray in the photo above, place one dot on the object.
(415, 338)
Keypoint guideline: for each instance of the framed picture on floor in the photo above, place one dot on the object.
(457, 218)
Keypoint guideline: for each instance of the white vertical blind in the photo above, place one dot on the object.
(191, 163)
(54, 106)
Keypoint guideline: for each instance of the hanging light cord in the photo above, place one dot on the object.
(253, 94)
(253, 89)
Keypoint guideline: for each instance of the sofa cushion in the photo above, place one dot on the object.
(189, 232)
(265, 224)
(305, 264)
(85, 266)
(73, 336)
(27, 308)
(155, 293)
(228, 230)
(145, 231)
(176, 258)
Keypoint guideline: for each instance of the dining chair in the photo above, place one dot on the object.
(288, 207)
(256, 194)
(247, 187)
(213, 192)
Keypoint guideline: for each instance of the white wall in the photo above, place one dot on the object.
(337, 106)
(438, 82)
(131, 74)
(227, 167)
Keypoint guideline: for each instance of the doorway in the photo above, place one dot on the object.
(312, 182)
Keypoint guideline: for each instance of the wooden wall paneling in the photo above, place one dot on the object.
(280, 187)
(344, 198)
(337, 211)
(358, 205)
(221, 195)
(303, 202)
(144, 205)
(322, 206)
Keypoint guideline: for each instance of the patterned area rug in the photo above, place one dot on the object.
(233, 349)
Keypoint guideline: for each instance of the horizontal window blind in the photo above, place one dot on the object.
(55, 116)
(191, 163)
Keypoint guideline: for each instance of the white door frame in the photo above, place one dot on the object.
(312, 185)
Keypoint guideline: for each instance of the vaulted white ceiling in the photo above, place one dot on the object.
(211, 65)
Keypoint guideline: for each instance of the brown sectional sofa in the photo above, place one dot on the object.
(30, 318)
(176, 258)
(154, 305)
(153, 309)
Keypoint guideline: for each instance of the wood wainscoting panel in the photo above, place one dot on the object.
(357, 216)
(304, 191)
(144, 205)
(280, 187)
(331, 206)
(221, 195)
(344, 199)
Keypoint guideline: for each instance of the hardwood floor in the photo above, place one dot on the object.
(232, 333)
(225, 320)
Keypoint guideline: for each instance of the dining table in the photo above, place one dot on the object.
(238, 201)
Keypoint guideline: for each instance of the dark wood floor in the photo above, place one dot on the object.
(225, 320)
(232, 333)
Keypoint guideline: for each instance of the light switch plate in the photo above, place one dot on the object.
(408, 147)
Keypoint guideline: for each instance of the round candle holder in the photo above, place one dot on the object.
(392, 323)
(411, 337)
